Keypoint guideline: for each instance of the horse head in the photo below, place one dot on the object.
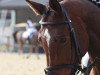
(57, 38)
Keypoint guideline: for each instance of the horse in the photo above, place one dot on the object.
(33, 42)
(68, 30)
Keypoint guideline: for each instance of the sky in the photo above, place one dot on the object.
(19, 2)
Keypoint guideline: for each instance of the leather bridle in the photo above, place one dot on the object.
(49, 69)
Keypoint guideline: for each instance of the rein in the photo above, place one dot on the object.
(49, 69)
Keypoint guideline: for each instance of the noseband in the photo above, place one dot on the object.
(49, 70)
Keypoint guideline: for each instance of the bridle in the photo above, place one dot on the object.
(49, 69)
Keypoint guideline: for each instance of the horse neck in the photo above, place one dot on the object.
(88, 13)
(95, 70)
(81, 8)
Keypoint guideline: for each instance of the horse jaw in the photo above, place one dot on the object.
(38, 8)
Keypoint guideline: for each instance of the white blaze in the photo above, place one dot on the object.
(47, 35)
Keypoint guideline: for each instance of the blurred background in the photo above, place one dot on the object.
(13, 17)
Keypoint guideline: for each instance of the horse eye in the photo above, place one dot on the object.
(62, 40)
(48, 12)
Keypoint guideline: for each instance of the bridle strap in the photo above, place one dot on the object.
(75, 41)
(89, 67)
(53, 22)
(62, 66)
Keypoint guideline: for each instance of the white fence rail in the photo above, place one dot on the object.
(7, 23)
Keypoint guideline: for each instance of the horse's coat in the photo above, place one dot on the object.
(56, 39)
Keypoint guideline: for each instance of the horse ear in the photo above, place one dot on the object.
(38, 8)
(55, 5)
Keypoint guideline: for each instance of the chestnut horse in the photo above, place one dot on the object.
(33, 42)
(68, 30)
